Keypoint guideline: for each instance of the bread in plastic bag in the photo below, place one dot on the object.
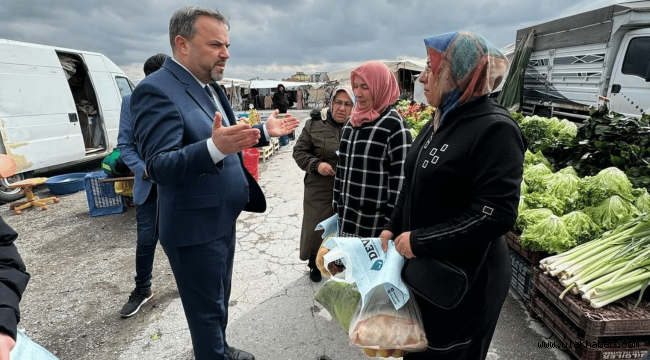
(341, 300)
(379, 326)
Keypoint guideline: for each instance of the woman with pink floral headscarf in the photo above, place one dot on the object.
(373, 146)
(460, 197)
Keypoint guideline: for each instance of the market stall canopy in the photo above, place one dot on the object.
(343, 76)
(228, 82)
(272, 84)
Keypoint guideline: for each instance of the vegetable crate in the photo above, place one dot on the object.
(521, 279)
(616, 319)
(102, 198)
(611, 332)
(533, 257)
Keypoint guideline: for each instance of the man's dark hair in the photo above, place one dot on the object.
(154, 63)
(183, 21)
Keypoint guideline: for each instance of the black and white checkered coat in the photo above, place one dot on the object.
(370, 173)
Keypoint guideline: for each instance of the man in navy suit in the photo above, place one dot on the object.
(144, 197)
(197, 164)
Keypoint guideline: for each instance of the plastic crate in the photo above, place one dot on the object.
(583, 347)
(521, 278)
(102, 198)
(512, 239)
(615, 319)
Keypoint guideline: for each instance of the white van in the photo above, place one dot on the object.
(58, 107)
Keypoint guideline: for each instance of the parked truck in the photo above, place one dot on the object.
(580, 61)
(58, 107)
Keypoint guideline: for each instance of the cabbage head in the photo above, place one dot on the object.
(524, 188)
(565, 187)
(536, 177)
(568, 170)
(642, 202)
(529, 217)
(612, 212)
(522, 204)
(607, 183)
(567, 130)
(531, 158)
(545, 200)
(581, 227)
(550, 235)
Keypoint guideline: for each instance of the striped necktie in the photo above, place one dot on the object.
(224, 121)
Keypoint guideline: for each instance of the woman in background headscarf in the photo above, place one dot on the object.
(373, 147)
(315, 153)
(461, 192)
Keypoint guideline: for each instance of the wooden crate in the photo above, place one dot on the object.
(512, 239)
(616, 319)
(580, 344)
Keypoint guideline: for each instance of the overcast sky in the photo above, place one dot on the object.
(275, 39)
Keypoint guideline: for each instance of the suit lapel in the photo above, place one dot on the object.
(194, 89)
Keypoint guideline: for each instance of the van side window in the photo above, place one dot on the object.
(637, 57)
(124, 85)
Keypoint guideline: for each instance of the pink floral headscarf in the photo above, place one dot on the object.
(383, 88)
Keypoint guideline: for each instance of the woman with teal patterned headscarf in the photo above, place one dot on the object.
(463, 66)
(460, 196)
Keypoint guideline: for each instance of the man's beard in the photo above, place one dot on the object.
(215, 75)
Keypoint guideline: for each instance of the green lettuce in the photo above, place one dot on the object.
(567, 130)
(642, 202)
(531, 158)
(536, 177)
(340, 299)
(545, 200)
(568, 170)
(565, 187)
(581, 227)
(529, 217)
(522, 204)
(550, 235)
(608, 182)
(524, 188)
(536, 129)
(612, 212)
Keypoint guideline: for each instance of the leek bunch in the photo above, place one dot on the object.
(609, 268)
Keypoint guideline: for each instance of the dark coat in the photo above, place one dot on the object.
(460, 194)
(13, 280)
(130, 154)
(318, 142)
(281, 100)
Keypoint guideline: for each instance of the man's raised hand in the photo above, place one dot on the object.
(283, 126)
(233, 139)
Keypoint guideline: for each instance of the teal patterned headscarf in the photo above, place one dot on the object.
(464, 66)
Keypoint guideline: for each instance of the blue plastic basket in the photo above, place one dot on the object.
(102, 198)
(66, 184)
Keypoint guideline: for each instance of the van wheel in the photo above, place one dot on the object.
(7, 194)
(543, 112)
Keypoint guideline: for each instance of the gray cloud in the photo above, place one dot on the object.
(276, 39)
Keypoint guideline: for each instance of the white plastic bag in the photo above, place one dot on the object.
(379, 326)
(367, 265)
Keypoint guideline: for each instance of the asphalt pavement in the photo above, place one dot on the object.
(273, 313)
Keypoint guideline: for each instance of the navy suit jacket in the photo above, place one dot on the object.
(130, 154)
(198, 200)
